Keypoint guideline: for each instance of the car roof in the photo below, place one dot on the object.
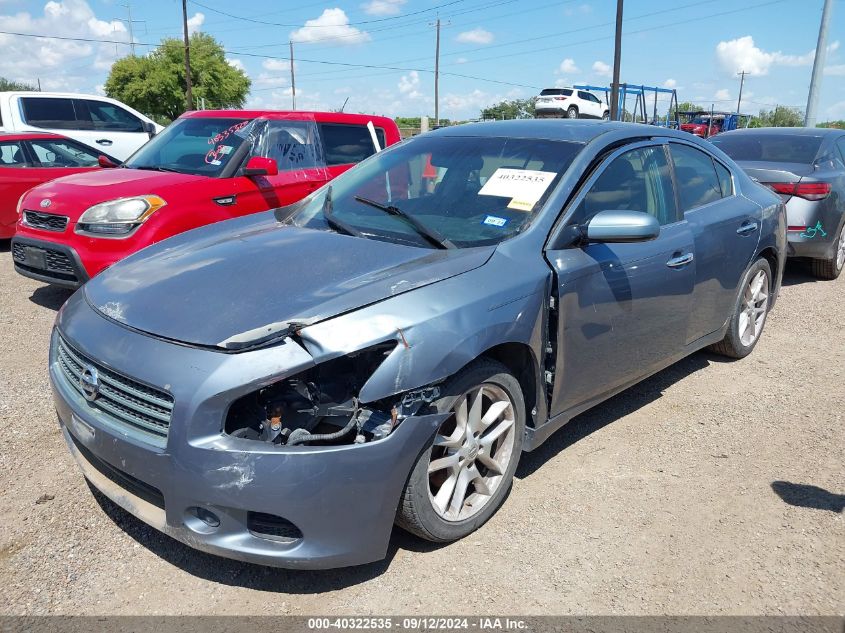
(23, 136)
(577, 131)
(304, 115)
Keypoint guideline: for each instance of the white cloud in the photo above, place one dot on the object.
(836, 111)
(383, 7)
(236, 63)
(722, 95)
(568, 66)
(602, 69)
(60, 64)
(583, 9)
(332, 26)
(742, 54)
(475, 36)
(835, 71)
(195, 22)
(461, 60)
(276, 65)
(670, 83)
(409, 85)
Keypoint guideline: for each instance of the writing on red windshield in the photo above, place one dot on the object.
(222, 136)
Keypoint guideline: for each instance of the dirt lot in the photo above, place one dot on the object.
(712, 488)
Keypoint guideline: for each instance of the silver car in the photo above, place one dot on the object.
(806, 167)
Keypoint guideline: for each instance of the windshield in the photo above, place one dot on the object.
(457, 191)
(201, 146)
(770, 146)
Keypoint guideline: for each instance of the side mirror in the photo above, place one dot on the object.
(149, 128)
(622, 226)
(105, 162)
(260, 166)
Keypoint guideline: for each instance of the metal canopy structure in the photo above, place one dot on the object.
(638, 94)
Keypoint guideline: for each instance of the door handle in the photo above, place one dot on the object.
(746, 228)
(681, 260)
(104, 141)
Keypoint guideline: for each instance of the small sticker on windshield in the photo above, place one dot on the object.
(224, 149)
(215, 162)
(521, 205)
(493, 220)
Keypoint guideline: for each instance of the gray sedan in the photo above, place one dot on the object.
(806, 167)
(282, 388)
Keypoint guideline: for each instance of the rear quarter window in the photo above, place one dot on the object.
(348, 144)
(53, 113)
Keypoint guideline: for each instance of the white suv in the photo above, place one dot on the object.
(570, 103)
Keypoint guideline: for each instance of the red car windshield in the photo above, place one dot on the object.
(202, 146)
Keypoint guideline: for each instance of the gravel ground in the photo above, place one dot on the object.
(712, 488)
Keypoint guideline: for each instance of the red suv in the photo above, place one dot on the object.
(205, 167)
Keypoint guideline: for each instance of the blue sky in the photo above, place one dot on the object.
(490, 49)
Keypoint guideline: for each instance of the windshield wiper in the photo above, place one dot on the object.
(432, 236)
(157, 168)
(338, 225)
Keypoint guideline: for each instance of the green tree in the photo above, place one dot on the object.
(781, 116)
(688, 106)
(9, 85)
(155, 84)
(510, 109)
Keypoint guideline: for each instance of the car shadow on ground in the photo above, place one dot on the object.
(798, 272)
(50, 297)
(5, 246)
(250, 576)
(807, 496)
(619, 406)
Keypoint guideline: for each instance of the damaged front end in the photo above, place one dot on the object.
(321, 406)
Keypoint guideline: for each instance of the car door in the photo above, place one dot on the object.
(622, 310)
(16, 178)
(726, 230)
(113, 130)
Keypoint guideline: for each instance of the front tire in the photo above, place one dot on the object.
(462, 478)
(606, 115)
(750, 311)
(831, 268)
(572, 113)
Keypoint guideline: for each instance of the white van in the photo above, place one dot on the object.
(99, 122)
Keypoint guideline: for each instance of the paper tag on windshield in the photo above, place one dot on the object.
(524, 186)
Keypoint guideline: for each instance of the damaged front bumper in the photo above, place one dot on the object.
(285, 506)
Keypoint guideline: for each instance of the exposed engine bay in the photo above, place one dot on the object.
(320, 406)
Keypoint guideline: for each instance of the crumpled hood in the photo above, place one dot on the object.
(73, 195)
(232, 280)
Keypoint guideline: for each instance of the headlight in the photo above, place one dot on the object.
(118, 217)
(19, 208)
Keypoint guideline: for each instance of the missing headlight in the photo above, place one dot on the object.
(319, 406)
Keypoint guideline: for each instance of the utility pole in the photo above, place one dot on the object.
(818, 67)
(437, 77)
(741, 84)
(188, 100)
(617, 61)
(292, 77)
(129, 23)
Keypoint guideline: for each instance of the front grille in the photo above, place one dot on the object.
(271, 527)
(55, 262)
(145, 491)
(125, 401)
(46, 221)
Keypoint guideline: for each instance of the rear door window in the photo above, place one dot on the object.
(292, 144)
(61, 153)
(348, 144)
(696, 177)
(638, 180)
(108, 117)
(53, 113)
(12, 154)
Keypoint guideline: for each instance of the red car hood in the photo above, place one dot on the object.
(72, 195)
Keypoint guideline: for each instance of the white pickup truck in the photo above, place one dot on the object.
(97, 121)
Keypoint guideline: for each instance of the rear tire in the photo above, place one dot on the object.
(831, 268)
(572, 113)
(750, 311)
(464, 475)
(606, 116)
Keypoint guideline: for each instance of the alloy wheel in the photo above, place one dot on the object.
(755, 304)
(840, 253)
(471, 453)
